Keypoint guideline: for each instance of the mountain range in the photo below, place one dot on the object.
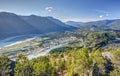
(98, 25)
(74, 24)
(14, 25)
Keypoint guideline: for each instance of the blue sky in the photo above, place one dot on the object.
(65, 10)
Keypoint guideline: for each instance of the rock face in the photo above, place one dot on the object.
(107, 55)
(13, 25)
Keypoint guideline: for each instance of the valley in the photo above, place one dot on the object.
(59, 38)
(45, 46)
(32, 45)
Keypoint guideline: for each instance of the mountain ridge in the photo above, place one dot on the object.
(13, 25)
(113, 24)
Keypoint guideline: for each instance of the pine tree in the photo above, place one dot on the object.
(4, 65)
(23, 67)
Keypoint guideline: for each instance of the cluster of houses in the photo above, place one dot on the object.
(51, 43)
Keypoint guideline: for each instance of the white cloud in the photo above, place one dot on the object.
(102, 11)
(49, 9)
(101, 16)
(104, 16)
(79, 19)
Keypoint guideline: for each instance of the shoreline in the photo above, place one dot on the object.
(42, 53)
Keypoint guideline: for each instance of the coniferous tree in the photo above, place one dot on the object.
(4, 65)
(23, 67)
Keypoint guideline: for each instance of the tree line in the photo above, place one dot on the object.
(69, 63)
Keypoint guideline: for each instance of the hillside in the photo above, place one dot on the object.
(98, 25)
(46, 24)
(11, 25)
(75, 24)
(14, 25)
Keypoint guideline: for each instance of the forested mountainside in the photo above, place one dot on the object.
(14, 25)
(98, 25)
(11, 25)
(24, 25)
(70, 63)
(47, 24)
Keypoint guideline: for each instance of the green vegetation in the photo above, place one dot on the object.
(100, 39)
(5, 69)
(89, 40)
(85, 56)
(70, 63)
(24, 45)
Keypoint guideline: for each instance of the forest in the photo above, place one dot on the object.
(92, 57)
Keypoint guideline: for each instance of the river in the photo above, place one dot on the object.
(45, 52)
(10, 41)
(18, 39)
